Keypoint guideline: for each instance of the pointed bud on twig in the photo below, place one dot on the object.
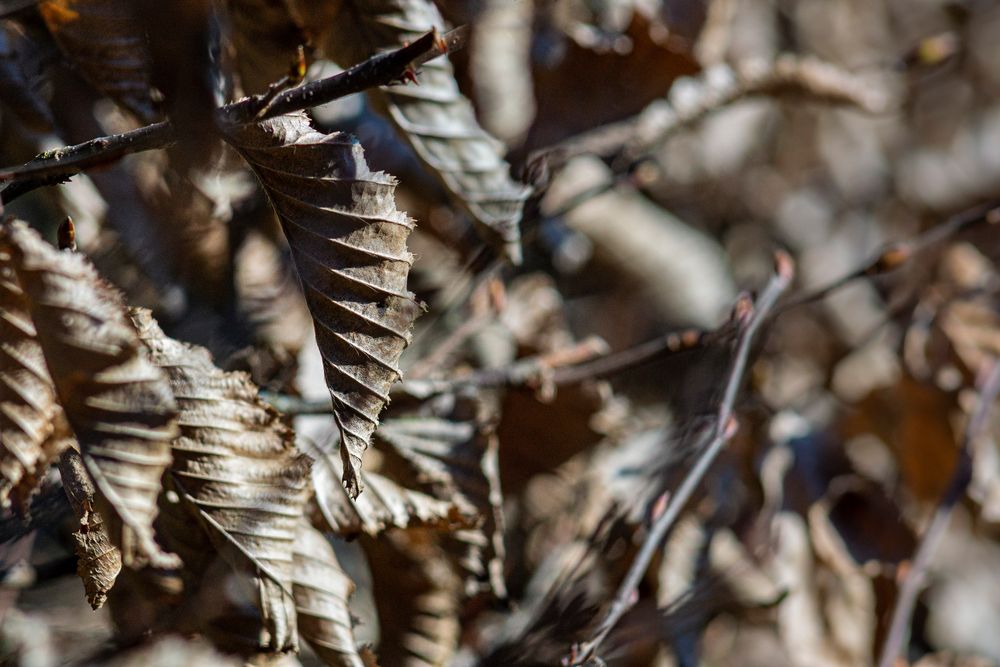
(67, 235)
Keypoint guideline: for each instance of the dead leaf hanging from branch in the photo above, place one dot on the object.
(117, 402)
(434, 116)
(348, 243)
(237, 468)
(99, 561)
(321, 591)
(28, 405)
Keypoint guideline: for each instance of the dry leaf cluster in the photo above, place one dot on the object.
(431, 333)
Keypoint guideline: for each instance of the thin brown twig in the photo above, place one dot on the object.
(60, 165)
(724, 428)
(894, 255)
(915, 578)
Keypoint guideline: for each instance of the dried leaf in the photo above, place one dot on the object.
(18, 89)
(417, 596)
(99, 560)
(237, 468)
(348, 243)
(265, 38)
(28, 404)
(434, 116)
(385, 504)
(117, 402)
(321, 591)
(452, 449)
(106, 42)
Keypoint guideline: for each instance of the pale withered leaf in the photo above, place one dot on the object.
(99, 561)
(237, 470)
(321, 591)
(384, 504)
(417, 597)
(28, 404)
(434, 117)
(103, 39)
(348, 243)
(118, 404)
(452, 448)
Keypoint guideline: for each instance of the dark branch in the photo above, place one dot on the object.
(989, 387)
(724, 428)
(58, 166)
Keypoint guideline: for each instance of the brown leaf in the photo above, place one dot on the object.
(99, 560)
(28, 405)
(434, 116)
(321, 590)
(118, 403)
(18, 87)
(348, 243)
(265, 38)
(385, 504)
(417, 596)
(105, 41)
(453, 450)
(237, 469)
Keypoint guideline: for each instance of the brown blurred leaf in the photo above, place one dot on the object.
(434, 116)
(914, 420)
(236, 466)
(28, 404)
(589, 85)
(321, 591)
(416, 594)
(99, 560)
(348, 243)
(18, 87)
(384, 504)
(265, 38)
(117, 402)
(106, 42)
(454, 452)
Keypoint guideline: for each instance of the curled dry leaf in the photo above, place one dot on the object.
(99, 561)
(417, 596)
(321, 590)
(103, 39)
(28, 404)
(434, 117)
(453, 450)
(236, 467)
(118, 404)
(385, 504)
(348, 243)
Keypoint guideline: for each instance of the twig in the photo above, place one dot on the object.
(723, 429)
(989, 388)
(617, 362)
(58, 166)
(893, 255)
(717, 88)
